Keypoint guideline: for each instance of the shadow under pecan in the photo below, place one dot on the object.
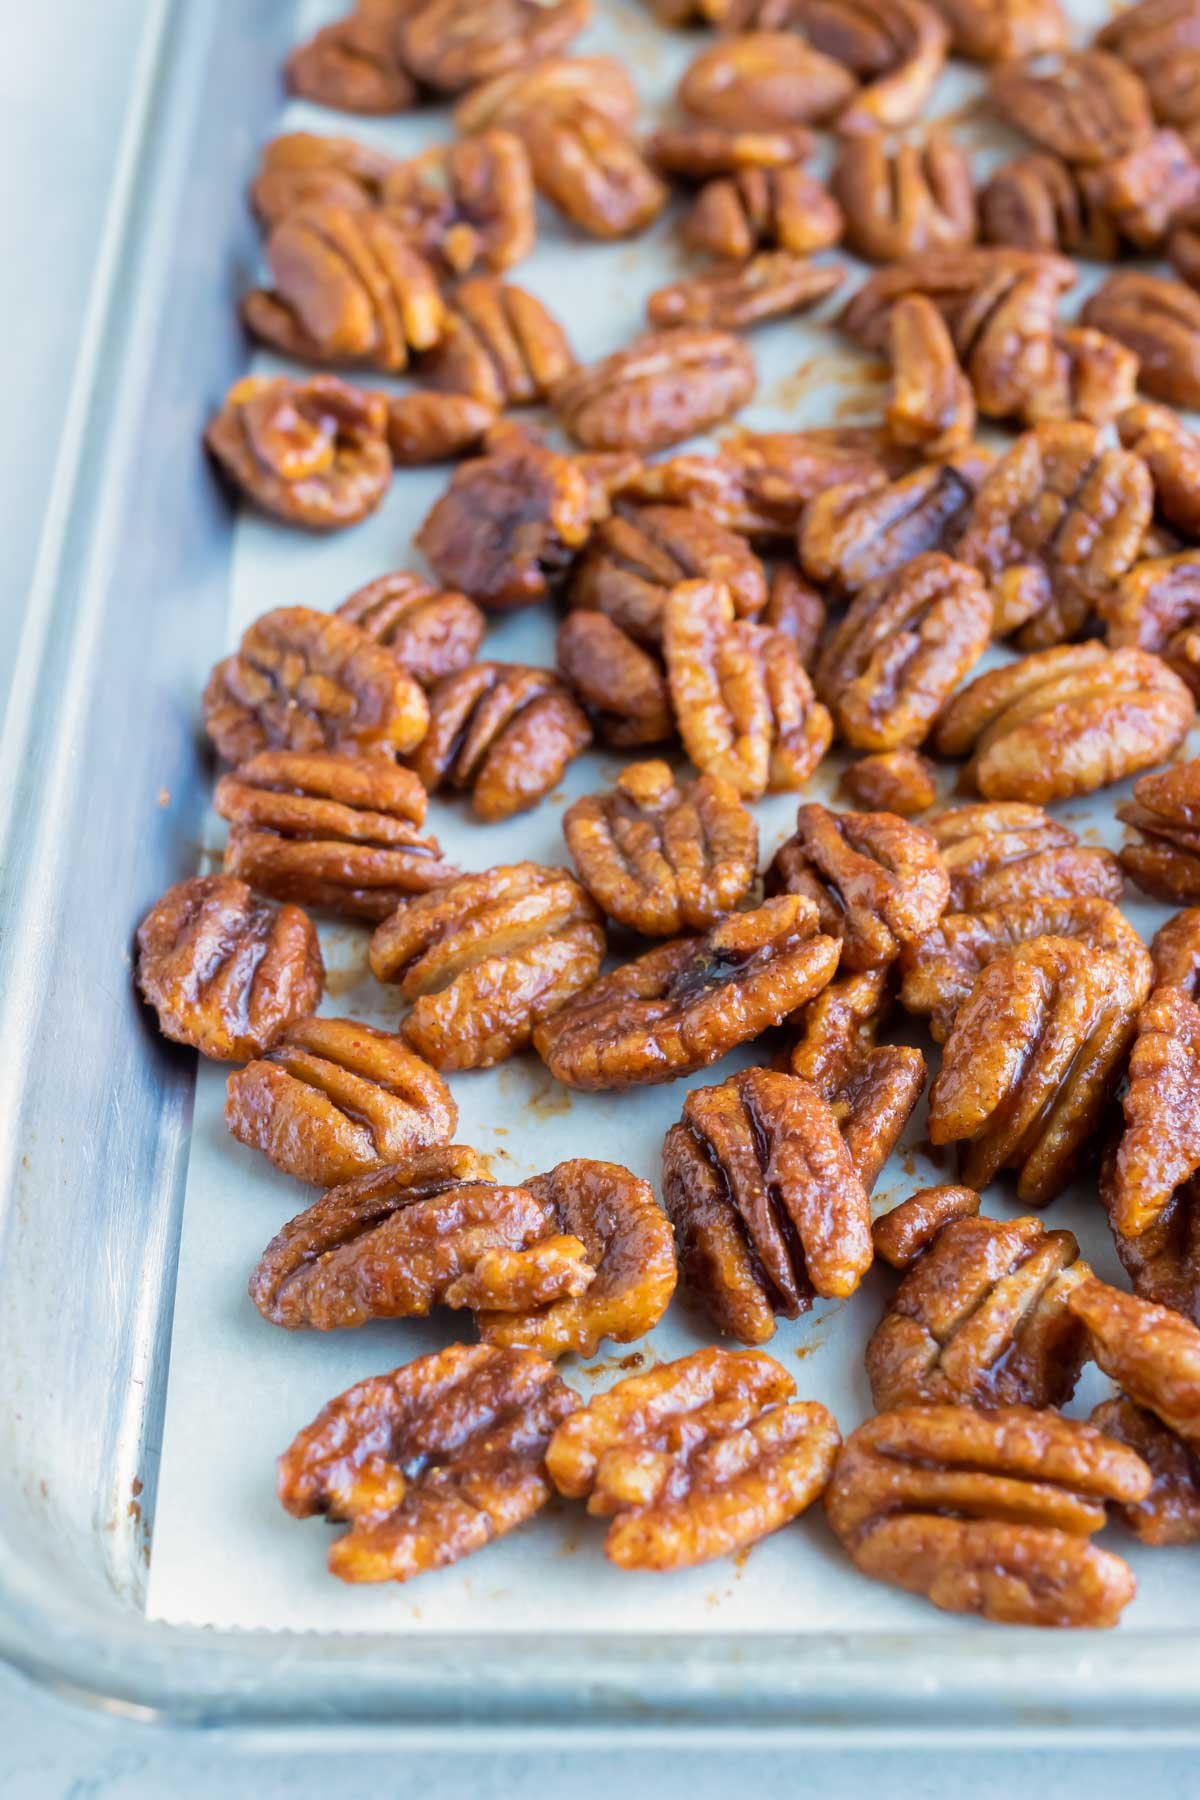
(904, 199)
(764, 80)
(767, 286)
(981, 1318)
(330, 1098)
(1156, 606)
(744, 706)
(1163, 858)
(1065, 721)
(224, 971)
(1159, 320)
(662, 856)
(1003, 852)
(589, 167)
(304, 680)
(312, 453)
(487, 958)
(877, 881)
(696, 152)
(299, 167)
(1033, 1056)
(551, 84)
(999, 31)
(350, 287)
(1083, 105)
(779, 207)
(430, 631)
(865, 530)
(500, 345)
(429, 1463)
(895, 781)
(987, 1512)
(931, 405)
(686, 1003)
(355, 64)
(503, 732)
(635, 558)
(621, 685)
(467, 203)
(452, 44)
(695, 1459)
(663, 387)
(1172, 454)
(1039, 202)
(901, 649)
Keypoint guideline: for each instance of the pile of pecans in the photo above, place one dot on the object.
(744, 608)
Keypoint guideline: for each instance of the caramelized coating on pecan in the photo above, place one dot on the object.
(1156, 606)
(685, 1004)
(330, 1098)
(1175, 952)
(636, 558)
(430, 631)
(904, 199)
(898, 47)
(223, 970)
(1092, 377)
(1159, 320)
(589, 167)
(982, 1319)
(621, 685)
(554, 84)
(744, 706)
(509, 524)
(895, 781)
(901, 650)
(304, 680)
(1164, 858)
(1056, 523)
(987, 1512)
(776, 206)
(1147, 190)
(837, 1031)
(1001, 30)
(350, 287)
(327, 830)
(1003, 852)
(429, 1463)
(1157, 38)
(311, 453)
(766, 286)
(298, 167)
(487, 958)
(697, 1459)
(627, 1240)
(1172, 454)
(503, 731)
(500, 345)
(660, 856)
(863, 531)
(1152, 1352)
(1039, 202)
(1170, 1512)
(695, 152)
(1066, 721)
(764, 80)
(876, 1103)
(931, 407)
(1034, 1053)
(1084, 105)
(900, 1236)
(430, 427)
(663, 387)
(876, 880)
(466, 203)
(942, 967)
(452, 44)
(795, 609)
(356, 63)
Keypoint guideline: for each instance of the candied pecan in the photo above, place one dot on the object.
(1164, 858)
(898, 47)
(896, 781)
(590, 168)
(941, 968)
(696, 1459)
(901, 1235)
(1033, 1055)
(1066, 721)
(487, 958)
(931, 406)
(1053, 526)
(299, 167)
(349, 288)
(223, 970)
(1084, 105)
(1158, 39)
(504, 731)
(634, 560)
(431, 427)
(1039, 202)
(987, 1512)
(875, 1104)
(466, 203)
(731, 298)
(1163, 1262)
(904, 199)
(509, 524)
(863, 531)
(982, 1319)
(329, 1098)
(1156, 606)
(621, 686)
(744, 706)
(554, 84)
(1001, 30)
(1170, 1512)
(1172, 454)
(663, 387)
(838, 1030)
(1092, 377)
(1004, 852)
(795, 609)
(664, 857)
(500, 345)
(430, 631)
(1152, 1352)
(311, 453)
(429, 1463)
(452, 44)
(1159, 320)
(304, 680)
(906, 642)
(695, 152)
(685, 1004)
(1148, 189)
(764, 80)
(758, 208)
(355, 64)
(1175, 952)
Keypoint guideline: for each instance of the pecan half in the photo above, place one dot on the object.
(1156, 606)
(1091, 377)
(1175, 953)
(621, 685)
(764, 80)
(503, 731)
(1066, 721)
(553, 84)
(898, 47)
(1159, 320)
(754, 208)
(1170, 1512)
(311, 453)
(901, 650)
(931, 406)
(299, 167)
(877, 881)
(795, 609)
(875, 1104)
(1146, 191)
(902, 200)
(304, 680)
(429, 1463)
(1172, 454)
(451, 44)
(744, 706)
(1039, 202)
(895, 781)
(589, 167)
(696, 1459)
(330, 1098)
(900, 1236)
(223, 970)
(766, 286)
(837, 1031)
(500, 345)
(695, 152)
(987, 1512)
(665, 386)
(1001, 30)
(430, 631)
(466, 203)
(685, 1004)
(1158, 39)
(431, 427)
(1152, 1352)
(1164, 858)
(1084, 105)
(356, 63)
(486, 959)
(863, 531)
(1004, 852)
(635, 559)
